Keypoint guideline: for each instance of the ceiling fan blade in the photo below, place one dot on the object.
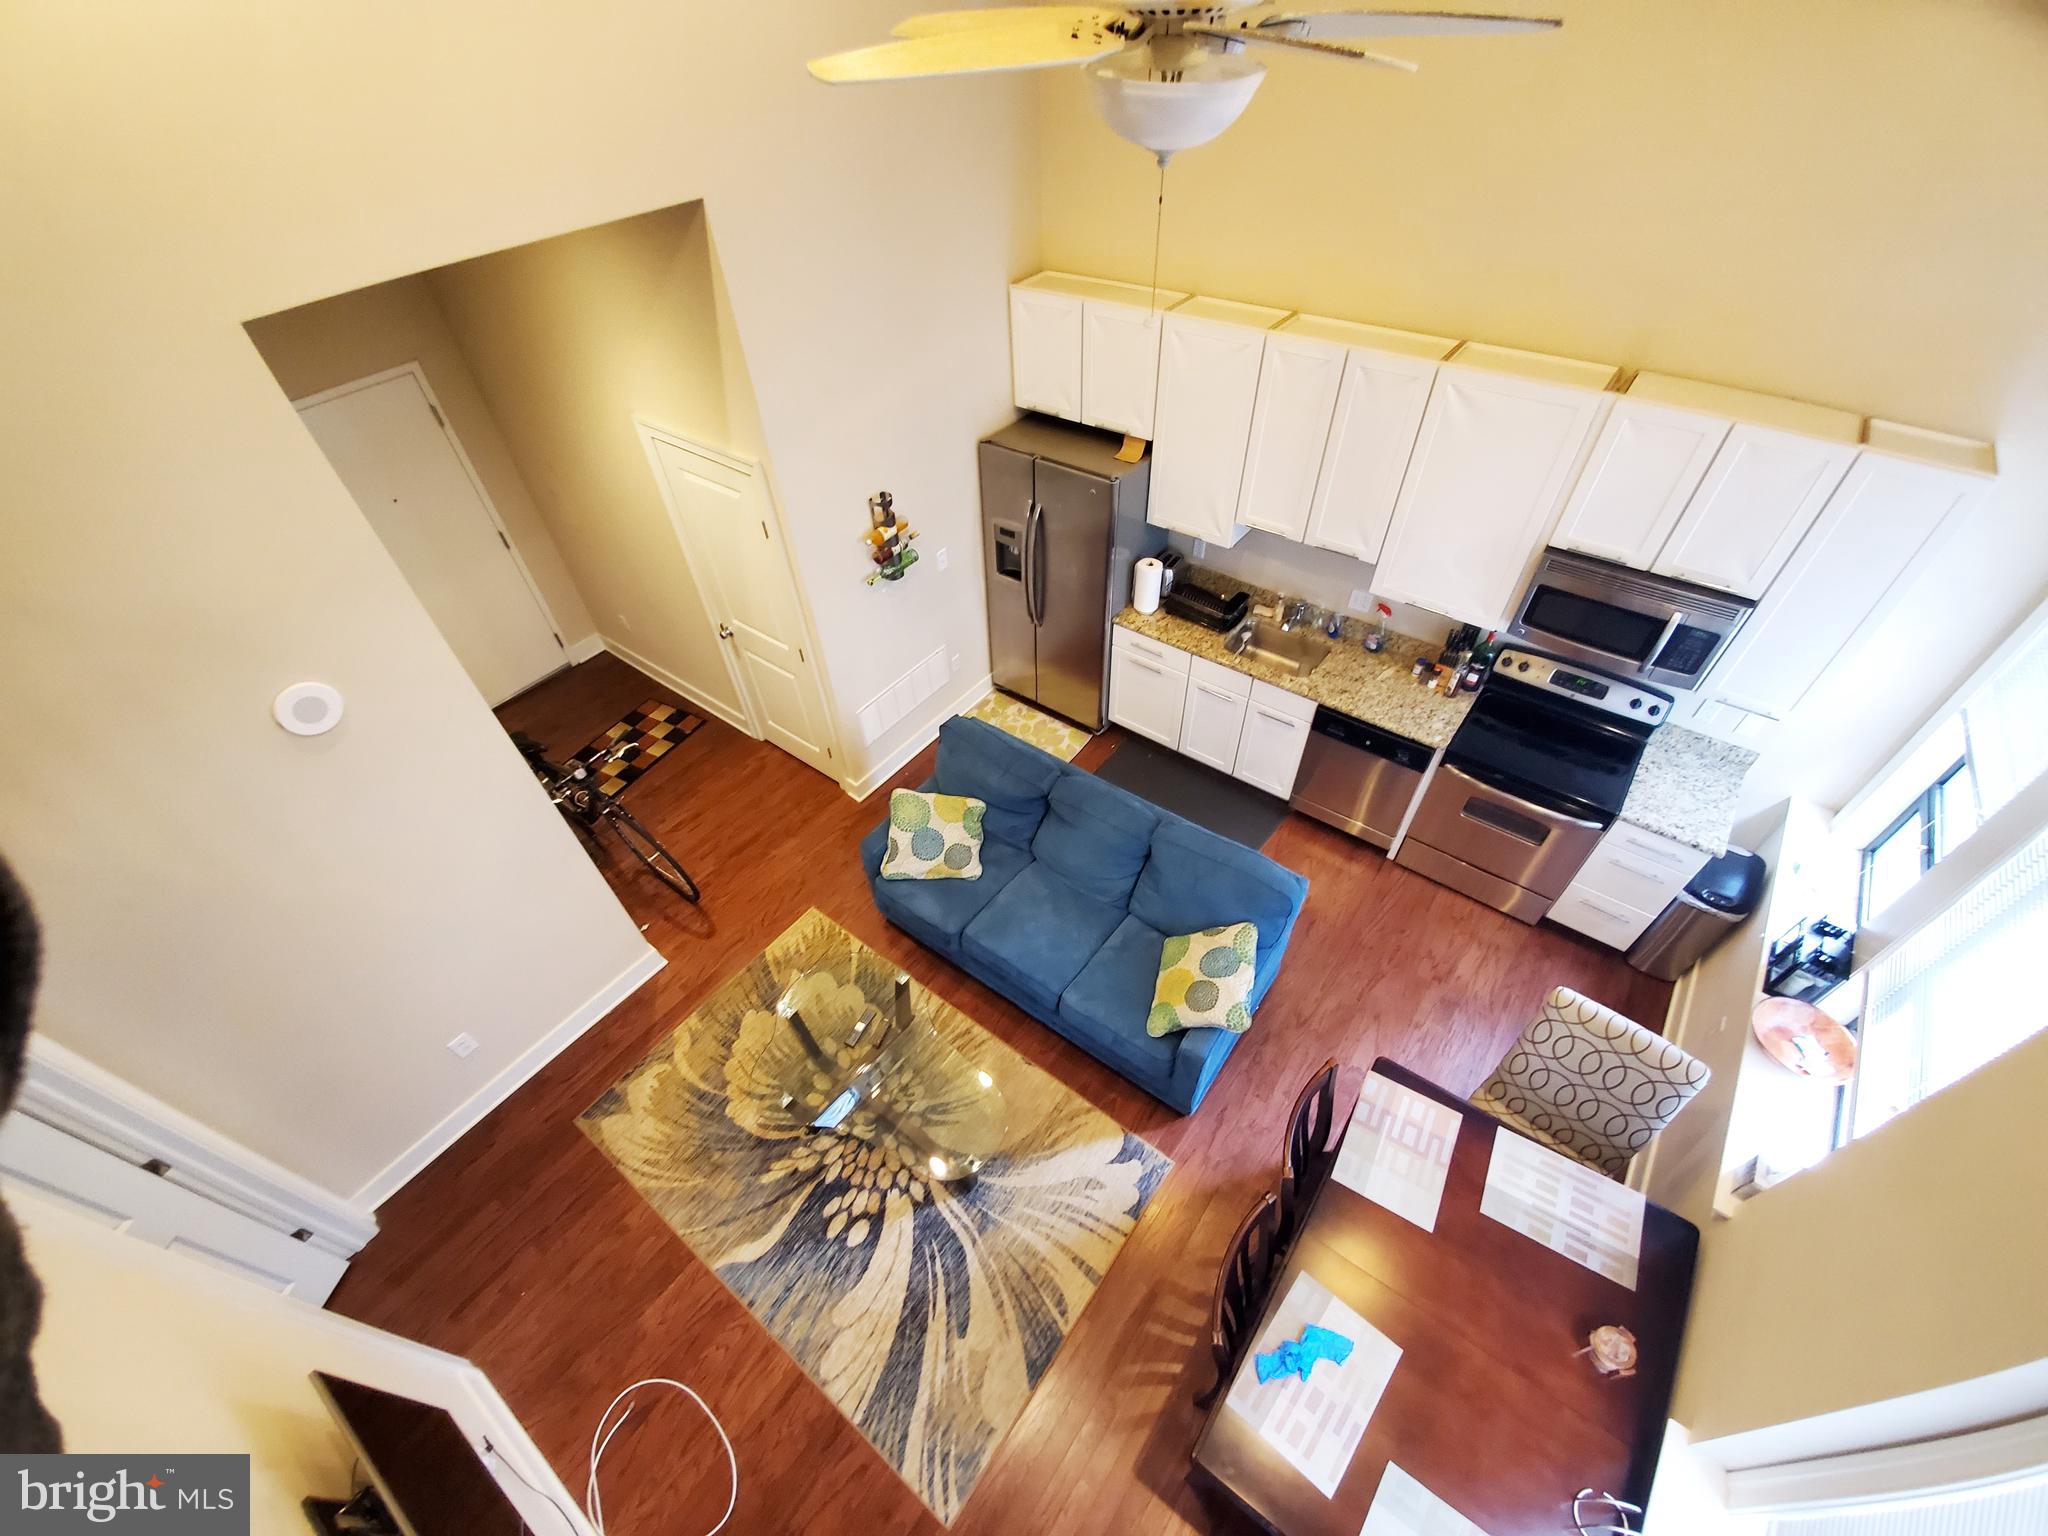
(938, 23)
(1340, 20)
(1023, 45)
(1308, 44)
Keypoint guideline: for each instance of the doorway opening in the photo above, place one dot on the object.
(558, 445)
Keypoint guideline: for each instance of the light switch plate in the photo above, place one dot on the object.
(940, 557)
(463, 1044)
(1361, 600)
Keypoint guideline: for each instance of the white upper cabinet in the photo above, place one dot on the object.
(1209, 358)
(1775, 470)
(1380, 398)
(1085, 349)
(1907, 489)
(1045, 350)
(1646, 463)
(1500, 438)
(1298, 379)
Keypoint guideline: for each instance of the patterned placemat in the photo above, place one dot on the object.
(656, 727)
(926, 1312)
(1062, 740)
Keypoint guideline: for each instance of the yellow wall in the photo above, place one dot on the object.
(1908, 1260)
(337, 341)
(571, 339)
(278, 936)
(1835, 200)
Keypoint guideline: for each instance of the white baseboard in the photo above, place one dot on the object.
(860, 786)
(580, 651)
(684, 686)
(383, 1185)
(63, 1089)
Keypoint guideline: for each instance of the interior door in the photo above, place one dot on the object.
(1069, 571)
(734, 544)
(1006, 525)
(388, 443)
(101, 1187)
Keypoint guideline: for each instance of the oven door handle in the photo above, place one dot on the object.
(1541, 807)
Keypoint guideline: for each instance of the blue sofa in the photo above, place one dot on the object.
(1081, 883)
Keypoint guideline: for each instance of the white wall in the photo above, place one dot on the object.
(337, 341)
(142, 1350)
(277, 936)
(1834, 200)
(571, 339)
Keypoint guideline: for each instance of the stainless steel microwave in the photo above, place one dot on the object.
(1630, 623)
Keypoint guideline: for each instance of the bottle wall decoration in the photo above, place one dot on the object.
(888, 540)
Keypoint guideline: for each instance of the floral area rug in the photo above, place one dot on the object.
(1062, 740)
(927, 1312)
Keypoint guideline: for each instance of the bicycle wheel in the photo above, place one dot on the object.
(643, 845)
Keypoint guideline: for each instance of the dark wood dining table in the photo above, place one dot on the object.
(1490, 1406)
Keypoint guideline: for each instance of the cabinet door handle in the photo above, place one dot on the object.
(1277, 719)
(1217, 693)
(1139, 661)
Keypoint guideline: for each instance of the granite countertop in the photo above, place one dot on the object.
(1686, 787)
(1377, 688)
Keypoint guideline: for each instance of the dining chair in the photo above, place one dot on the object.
(1589, 1083)
(1241, 1289)
(1310, 1151)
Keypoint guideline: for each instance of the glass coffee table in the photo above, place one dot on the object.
(850, 1055)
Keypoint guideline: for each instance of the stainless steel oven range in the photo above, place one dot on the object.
(1536, 773)
(1629, 623)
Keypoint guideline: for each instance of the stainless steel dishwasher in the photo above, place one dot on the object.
(1357, 777)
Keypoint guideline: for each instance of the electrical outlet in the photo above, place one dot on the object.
(956, 661)
(463, 1044)
(626, 623)
(1361, 600)
(940, 557)
(1201, 548)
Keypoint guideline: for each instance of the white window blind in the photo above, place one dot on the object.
(1956, 994)
(2007, 724)
(2009, 1511)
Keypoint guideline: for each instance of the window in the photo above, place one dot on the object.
(1926, 832)
(1990, 744)
(1948, 999)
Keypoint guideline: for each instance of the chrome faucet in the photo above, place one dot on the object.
(1296, 612)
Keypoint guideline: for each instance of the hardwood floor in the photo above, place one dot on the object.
(523, 1250)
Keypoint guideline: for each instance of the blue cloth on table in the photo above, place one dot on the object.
(1294, 1358)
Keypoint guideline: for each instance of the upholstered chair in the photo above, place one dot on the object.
(1589, 1083)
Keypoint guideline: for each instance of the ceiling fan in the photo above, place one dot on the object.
(1167, 75)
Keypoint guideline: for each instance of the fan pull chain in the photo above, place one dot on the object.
(1158, 223)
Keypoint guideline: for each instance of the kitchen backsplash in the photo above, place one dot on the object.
(1324, 577)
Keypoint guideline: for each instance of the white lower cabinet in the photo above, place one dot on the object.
(1148, 685)
(1601, 918)
(1275, 733)
(1237, 725)
(1630, 878)
(1213, 718)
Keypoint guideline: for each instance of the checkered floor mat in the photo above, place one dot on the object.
(658, 728)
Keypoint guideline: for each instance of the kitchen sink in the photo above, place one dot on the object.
(1293, 650)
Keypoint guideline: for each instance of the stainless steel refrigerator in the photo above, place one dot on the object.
(1063, 519)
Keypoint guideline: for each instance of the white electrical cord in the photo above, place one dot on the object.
(601, 1437)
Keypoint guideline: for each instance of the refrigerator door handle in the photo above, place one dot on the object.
(1034, 563)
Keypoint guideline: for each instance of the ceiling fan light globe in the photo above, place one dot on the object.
(1167, 115)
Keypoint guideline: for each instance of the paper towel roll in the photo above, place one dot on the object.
(1145, 584)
